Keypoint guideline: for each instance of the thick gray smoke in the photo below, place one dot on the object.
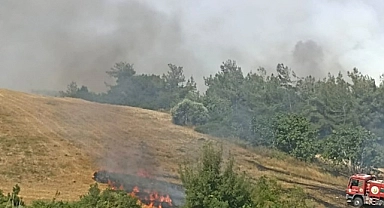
(47, 44)
(309, 57)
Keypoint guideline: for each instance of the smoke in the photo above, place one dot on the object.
(308, 56)
(47, 44)
(312, 37)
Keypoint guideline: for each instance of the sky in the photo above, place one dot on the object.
(44, 45)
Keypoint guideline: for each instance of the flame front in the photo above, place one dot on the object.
(147, 198)
(151, 199)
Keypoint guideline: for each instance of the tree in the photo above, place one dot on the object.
(121, 71)
(226, 83)
(75, 92)
(176, 87)
(188, 112)
(174, 77)
(225, 99)
(352, 146)
(294, 135)
(334, 103)
(71, 91)
(366, 101)
(149, 91)
(262, 130)
(189, 91)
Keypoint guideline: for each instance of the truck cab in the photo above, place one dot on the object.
(365, 189)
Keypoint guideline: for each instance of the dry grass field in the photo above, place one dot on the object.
(49, 144)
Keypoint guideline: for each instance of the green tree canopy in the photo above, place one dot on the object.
(294, 134)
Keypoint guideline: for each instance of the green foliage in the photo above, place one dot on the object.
(148, 91)
(188, 112)
(139, 91)
(244, 105)
(262, 131)
(72, 89)
(226, 102)
(78, 92)
(355, 147)
(293, 134)
(95, 198)
(174, 77)
(12, 200)
(107, 199)
(269, 194)
(209, 184)
(121, 71)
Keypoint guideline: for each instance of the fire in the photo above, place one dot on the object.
(147, 198)
(113, 186)
(153, 199)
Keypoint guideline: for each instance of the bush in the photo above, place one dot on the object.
(11, 200)
(210, 185)
(95, 198)
(268, 193)
(207, 185)
(107, 199)
(188, 112)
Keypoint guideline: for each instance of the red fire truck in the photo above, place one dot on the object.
(365, 189)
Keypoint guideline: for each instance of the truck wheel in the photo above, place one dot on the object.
(357, 202)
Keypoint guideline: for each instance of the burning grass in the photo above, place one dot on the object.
(150, 192)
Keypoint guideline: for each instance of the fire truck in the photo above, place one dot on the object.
(365, 189)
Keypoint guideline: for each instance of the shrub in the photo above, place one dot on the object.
(95, 198)
(107, 199)
(268, 193)
(208, 184)
(11, 200)
(188, 112)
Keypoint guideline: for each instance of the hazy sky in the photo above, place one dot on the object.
(47, 44)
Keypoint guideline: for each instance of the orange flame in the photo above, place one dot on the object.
(153, 197)
(146, 198)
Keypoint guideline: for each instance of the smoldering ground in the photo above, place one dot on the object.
(47, 44)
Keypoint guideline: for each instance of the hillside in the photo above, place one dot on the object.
(51, 144)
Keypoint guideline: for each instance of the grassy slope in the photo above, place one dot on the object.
(50, 144)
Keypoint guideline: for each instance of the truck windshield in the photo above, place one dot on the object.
(354, 182)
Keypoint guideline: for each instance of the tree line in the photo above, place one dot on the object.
(339, 118)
